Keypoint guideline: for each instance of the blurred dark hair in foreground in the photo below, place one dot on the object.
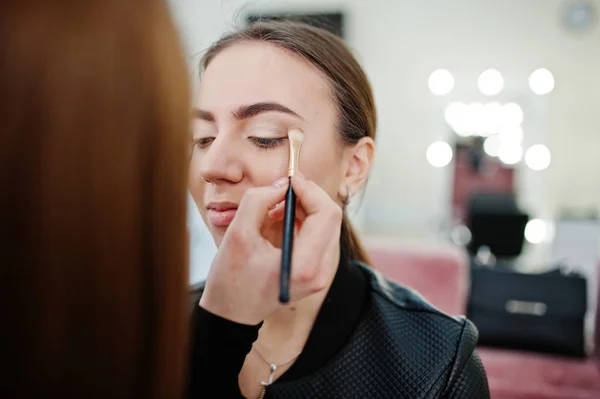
(93, 166)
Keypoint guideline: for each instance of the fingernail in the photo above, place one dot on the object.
(280, 182)
(300, 175)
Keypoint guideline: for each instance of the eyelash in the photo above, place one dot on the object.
(266, 143)
(203, 142)
(261, 142)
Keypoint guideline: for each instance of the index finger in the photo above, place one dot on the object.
(312, 197)
(256, 204)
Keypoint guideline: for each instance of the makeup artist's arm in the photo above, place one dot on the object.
(243, 283)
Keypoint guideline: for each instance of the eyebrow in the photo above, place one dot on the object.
(204, 115)
(248, 111)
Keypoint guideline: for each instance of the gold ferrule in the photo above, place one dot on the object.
(294, 157)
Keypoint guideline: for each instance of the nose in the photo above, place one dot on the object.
(219, 164)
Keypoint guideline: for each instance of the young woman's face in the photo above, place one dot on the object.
(251, 94)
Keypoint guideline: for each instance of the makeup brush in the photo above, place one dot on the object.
(296, 137)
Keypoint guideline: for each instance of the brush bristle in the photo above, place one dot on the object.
(296, 135)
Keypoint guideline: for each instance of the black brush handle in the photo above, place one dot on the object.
(287, 244)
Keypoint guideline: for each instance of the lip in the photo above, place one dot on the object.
(221, 214)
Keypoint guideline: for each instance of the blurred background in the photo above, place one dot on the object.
(471, 95)
(488, 158)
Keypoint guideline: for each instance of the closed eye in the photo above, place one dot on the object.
(203, 142)
(267, 142)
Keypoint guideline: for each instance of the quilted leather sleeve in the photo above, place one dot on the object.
(468, 379)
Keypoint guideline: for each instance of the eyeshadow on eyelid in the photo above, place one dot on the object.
(267, 130)
(268, 121)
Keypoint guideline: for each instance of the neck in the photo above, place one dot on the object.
(290, 327)
(285, 332)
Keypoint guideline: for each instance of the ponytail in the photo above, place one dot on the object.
(351, 244)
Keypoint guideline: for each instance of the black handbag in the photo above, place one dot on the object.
(537, 312)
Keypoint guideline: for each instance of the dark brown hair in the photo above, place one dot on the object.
(350, 86)
(93, 260)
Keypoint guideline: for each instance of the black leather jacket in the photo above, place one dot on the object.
(402, 347)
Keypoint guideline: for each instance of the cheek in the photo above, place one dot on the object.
(321, 164)
(266, 167)
(196, 183)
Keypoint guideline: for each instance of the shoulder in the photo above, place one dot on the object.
(408, 301)
(397, 302)
(444, 344)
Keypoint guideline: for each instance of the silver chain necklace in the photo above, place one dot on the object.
(272, 366)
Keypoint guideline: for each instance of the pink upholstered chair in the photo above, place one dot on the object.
(440, 273)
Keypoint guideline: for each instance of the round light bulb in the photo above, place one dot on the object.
(441, 82)
(538, 157)
(461, 235)
(439, 154)
(510, 153)
(491, 145)
(536, 231)
(541, 81)
(456, 115)
(477, 118)
(490, 82)
(512, 115)
(512, 134)
(493, 119)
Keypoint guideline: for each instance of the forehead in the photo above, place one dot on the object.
(251, 72)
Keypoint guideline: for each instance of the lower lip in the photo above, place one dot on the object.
(221, 218)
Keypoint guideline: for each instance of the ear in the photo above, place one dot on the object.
(359, 159)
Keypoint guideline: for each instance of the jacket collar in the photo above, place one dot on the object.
(337, 319)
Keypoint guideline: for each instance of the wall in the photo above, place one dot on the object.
(202, 247)
(401, 42)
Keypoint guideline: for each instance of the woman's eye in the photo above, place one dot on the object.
(203, 142)
(264, 142)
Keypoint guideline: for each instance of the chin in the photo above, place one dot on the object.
(217, 234)
(271, 231)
